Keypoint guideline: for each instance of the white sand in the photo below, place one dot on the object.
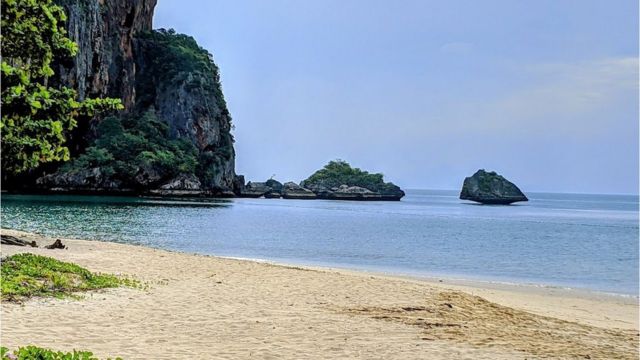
(201, 307)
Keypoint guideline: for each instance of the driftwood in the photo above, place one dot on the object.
(12, 240)
(56, 245)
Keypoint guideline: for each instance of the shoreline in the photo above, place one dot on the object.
(206, 306)
(521, 296)
(192, 194)
(451, 279)
(434, 279)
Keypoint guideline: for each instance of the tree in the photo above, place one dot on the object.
(35, 116)
(339, 172)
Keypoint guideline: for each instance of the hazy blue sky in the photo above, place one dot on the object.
(427, 92)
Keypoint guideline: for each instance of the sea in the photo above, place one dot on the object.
(576, 241)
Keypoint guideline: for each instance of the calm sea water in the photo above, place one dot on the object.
(568, 240)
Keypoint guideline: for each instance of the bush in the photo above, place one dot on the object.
(28, 275)
(339, 172)
(37, 353)
(126, 145)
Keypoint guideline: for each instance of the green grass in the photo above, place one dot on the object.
(28, 275)
(36, 353)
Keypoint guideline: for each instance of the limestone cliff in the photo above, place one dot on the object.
(184, 89)
(121, 56)
(104, 31)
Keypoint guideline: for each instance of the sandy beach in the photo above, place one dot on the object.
(203, 307)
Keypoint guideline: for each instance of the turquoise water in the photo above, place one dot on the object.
(567, 240)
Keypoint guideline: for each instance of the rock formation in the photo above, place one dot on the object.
(183, 182)
(254, 190)
(275, 189)
(189, 100)
(57, 244)
(104, 30)
(92, 178)
(490, 188)
(339, 181)
(270, 189)
(119, 55)
(292, 190)
(336, 181)
(275, 185)
(12, 240)
(345, 192)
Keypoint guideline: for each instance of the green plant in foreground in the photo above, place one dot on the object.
(37, 353)
(28, 275)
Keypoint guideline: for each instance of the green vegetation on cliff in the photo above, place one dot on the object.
(175, 64)
(339, 172)
(35, 116)
(175, 58)
(134, 145)
(154, 142)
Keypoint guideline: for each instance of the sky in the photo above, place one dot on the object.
(544, 92)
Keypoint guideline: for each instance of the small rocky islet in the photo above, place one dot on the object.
(488, 187)
(336, 181)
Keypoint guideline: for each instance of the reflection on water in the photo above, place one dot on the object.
(559, 239)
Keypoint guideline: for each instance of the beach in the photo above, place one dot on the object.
(195, 306)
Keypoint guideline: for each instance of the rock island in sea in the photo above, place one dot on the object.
(335, 181)
(490, 188)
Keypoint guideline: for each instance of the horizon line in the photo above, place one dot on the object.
(541, 192)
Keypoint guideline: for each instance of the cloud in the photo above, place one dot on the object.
(566, 98)
(582, 86)
(572, 99)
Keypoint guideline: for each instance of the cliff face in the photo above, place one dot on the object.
(120, 56)
(104, 31)
(180, 81)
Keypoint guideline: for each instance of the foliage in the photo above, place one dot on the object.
(173, 58)
(339, 172)
(486, 180)
(36, 116)
(37, 353)
(128, 144)
(28, 275)
(141, 143)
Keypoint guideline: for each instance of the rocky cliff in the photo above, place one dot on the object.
(184, 89)
(490, 188)
(160, 73)
(104, 31)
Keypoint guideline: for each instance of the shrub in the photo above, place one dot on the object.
(127, 144)
(28, 275)
(37, 353)
(339, 172)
